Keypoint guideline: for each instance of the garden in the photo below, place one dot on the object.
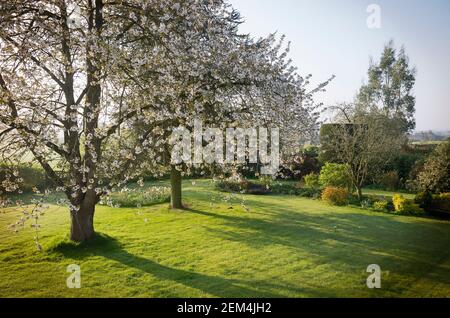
(154, 149)
(229, 245)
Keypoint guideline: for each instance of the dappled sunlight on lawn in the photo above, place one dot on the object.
(275, 246)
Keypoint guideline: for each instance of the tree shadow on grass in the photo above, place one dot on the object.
(215, 286)
(350, 239)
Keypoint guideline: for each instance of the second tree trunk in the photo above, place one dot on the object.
(175, 185)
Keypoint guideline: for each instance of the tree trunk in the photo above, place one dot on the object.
(359, 191)
(82, 221)
(175, 186)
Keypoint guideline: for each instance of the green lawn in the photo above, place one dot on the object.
(282, 246)
(387, 193)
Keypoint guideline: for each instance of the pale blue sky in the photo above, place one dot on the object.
(331, 37)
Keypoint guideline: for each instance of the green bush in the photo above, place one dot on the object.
(310, 193)
(370, 201)
(242, 186)
(285, 188)
(298, 165)
(312, 181)
(435, 174)
(335, 195)
(27, 178)
(424, 199)
(230, 186)
(335, 175)
(440, 204)
(381, 205)
(266, 181)
(136, 198)
(406, 207)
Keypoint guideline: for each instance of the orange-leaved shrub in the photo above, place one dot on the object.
(335, 195)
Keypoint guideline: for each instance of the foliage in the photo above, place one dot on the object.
(266, 181)
(230, 185)
(390, 85)
(314, 193)
(381, 205)
(23, 178)
(389, 180)
(122, 76)
(424, 199)
(440, 204)
(261, 187)
(299, 165)
(312, 181)
(289, 188)
(242, 186)
(408, 162)
(406, 207)
(363, 139)
(136, 198)
(335, 195)
(335, 175)
(435, 175)
(366, 204)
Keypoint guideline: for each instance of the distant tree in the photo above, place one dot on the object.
(390, 84)
(435, 174)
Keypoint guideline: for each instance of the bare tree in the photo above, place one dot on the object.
(364, 141)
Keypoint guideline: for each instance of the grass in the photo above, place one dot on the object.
(264, 246)
(388, 194)
(138, 197)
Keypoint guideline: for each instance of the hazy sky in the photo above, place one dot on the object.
(331, 37)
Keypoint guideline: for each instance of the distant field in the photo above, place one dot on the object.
(264, 246)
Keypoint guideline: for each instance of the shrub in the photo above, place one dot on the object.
(27, 178)
(424, 199)
(285, 188)
(266, 181)
(335, 195)
(382, 205)
(405, 206)
(366, 204)
(440, 204)
(310, 193)
(230, 186)
(242, 186)
(135, 198)
(300, 164)
(312, 181)
(335, 175)
(255, 188)
(435, 175)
